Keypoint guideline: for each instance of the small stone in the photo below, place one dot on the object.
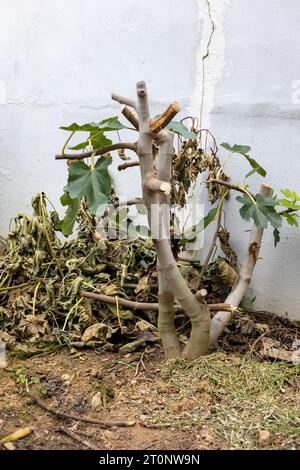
(9, 446)
(1, 423)
(106, 435)
(66, 377)
(143, 418)
(264, 438)
(94, 372)
(97, 400)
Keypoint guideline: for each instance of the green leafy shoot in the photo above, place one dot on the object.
(291, 218)
(180, 129)
(290, 206)
(66, 225)
(96, 130)
(96, 139)
(290, 200)
(262, 210)
(243, 150)
(191, 233)
(93, 182)
(109, 124)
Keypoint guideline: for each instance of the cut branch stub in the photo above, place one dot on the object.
(153, 184)
(162, 121)
(200, 295)
(131, 117)
(123, 100)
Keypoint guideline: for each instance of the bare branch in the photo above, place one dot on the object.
(108, 299)
(213, 243)
(78, 438)
(130, 202)
(162, 121)
(63, 415)
(129, 164)
(123, 100)
(100, 151)
(230, 186)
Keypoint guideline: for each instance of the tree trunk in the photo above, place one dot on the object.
(221, 319)
(199, 314)
(166, 298)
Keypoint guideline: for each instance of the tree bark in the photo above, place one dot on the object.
(166, 298)
(162, 121)
(199, 314)
(114, 300)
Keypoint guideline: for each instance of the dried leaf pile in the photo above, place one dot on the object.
(41, 276)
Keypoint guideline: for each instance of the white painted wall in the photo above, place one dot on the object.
(60, 60)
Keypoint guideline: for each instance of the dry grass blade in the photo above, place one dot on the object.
(234, 396)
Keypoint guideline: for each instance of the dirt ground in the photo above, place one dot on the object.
(135, 389)
(71, 383)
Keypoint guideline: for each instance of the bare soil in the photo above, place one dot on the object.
(71, 383)
(172, 408)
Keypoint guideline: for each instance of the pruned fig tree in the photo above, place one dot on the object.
(167, 176)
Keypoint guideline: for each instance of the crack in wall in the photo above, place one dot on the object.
(204, 57)
(210, 58)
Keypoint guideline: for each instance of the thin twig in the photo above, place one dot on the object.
(155, 426)
(287, 211)
(257, 340)
(62, 415)
(78, 438)
(130, 202)
(213, 243)
(231, 186)
(129, 164)
(100, 151)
